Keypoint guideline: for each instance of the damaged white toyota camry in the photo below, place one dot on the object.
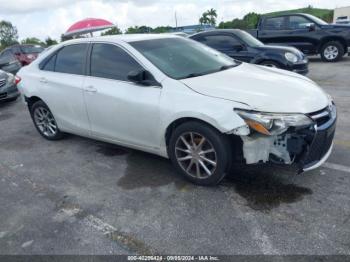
(177, 98)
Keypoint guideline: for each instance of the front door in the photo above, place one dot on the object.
(118, 109)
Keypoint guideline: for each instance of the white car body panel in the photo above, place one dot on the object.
(138, 116)
(263, 88)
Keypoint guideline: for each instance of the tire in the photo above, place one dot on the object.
(198, 167)
(332, 51)
(270, 63)
(48, 128)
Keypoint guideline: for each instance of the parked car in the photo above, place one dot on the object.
(308, 33)
(25, 54)
(177, 98)
(242, 46)
(9, 63)
(8, 87)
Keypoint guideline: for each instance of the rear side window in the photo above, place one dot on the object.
(71, 59)
(220, 42)
(274, 23)
(112, 62)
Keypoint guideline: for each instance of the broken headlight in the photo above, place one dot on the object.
(272, 124)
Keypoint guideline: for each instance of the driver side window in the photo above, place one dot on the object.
(220, 42)
(298, 22)
(112, 62)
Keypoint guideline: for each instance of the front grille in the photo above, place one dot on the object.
(2, 82)
(325, 120)
(3, 95)
(321, 117)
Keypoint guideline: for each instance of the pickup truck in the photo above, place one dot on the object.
(308, 33)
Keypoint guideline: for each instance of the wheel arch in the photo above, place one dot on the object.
(177, 122)
(32, 100)
(327, 39)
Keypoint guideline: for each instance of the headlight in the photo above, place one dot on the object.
(10, 78)
(291, 57)
(273, 124)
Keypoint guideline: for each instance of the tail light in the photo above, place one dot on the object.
(17, 80)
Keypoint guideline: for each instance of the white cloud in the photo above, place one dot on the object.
(42, 18)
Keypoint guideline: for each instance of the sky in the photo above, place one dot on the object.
(43, 18)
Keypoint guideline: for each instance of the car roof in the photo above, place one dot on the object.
(123, 38)
(217, 31)
(289, 14)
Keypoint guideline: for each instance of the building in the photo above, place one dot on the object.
(191, 29)
(342, 15)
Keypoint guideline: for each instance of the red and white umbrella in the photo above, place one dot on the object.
(88, 25)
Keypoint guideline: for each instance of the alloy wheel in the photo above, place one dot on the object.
(196, 155)
(331, 52)
(45, 121)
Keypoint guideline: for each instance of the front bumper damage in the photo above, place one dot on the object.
(303, 148)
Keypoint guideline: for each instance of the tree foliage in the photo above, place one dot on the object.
(113, 31)
(32, 41)
(49, 42)
(8, 34)
(209, 17)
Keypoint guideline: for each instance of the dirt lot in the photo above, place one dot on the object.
(79, 196)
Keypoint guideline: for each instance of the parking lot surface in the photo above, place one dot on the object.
(80, 196)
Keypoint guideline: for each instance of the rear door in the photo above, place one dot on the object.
(273, 30)
(61, 87)
(120, 110)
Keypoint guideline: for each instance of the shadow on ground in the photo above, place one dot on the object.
(146, 170)
(265, 189)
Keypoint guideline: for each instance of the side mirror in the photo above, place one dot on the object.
(238, 48)
(142, 77)
(311, 27)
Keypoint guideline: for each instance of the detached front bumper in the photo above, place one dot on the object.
(301, 149)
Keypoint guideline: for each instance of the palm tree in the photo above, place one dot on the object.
(212, 16)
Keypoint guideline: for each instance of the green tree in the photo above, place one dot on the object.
(209, 17)
(32, 41)
(49, 41)
(8, 34)
(139, 30)
(113, 31)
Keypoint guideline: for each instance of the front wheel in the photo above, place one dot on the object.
(332, 51)
(200, 153)
(270, 64)
(44, 121)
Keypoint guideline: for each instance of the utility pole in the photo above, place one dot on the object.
(175, 21)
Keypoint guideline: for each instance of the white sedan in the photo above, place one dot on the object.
(179, 99)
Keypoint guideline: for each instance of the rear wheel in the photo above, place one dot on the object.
(200, 153)
(44, 121)
(332, 51)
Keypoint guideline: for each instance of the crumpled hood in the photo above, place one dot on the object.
(262, 88)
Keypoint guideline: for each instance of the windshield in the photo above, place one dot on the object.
(31, 49)
(317, 20)
(181, 58)
(248, 39)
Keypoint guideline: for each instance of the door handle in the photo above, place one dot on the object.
(43, 80)
(91, 89)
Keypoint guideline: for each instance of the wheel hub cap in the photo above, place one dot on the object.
(45, 121)
(196, 155)
(331, 52)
